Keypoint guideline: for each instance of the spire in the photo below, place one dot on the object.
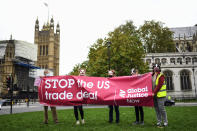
(37, 24)
(58, 28)
(52, 23)
(11, 37)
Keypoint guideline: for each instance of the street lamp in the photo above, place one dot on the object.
(108, 53)
(193, 69)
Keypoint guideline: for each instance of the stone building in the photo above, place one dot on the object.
(48, 43)
(185, 38)
(16, 59)
(180, 68)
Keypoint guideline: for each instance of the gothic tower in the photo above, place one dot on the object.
(48, 43)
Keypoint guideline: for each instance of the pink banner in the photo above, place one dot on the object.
(77, 90)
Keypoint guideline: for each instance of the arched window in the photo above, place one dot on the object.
(163, 60)
(172, 60)
(157, 61)
(185, 80)
(188, 60)
(148, 61)
(168, 80)
(179, 60)
(194, 60)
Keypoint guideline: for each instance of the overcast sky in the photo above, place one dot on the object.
(82, 22)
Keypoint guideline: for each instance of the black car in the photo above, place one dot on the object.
(169, 102)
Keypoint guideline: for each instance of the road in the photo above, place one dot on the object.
(38, 107)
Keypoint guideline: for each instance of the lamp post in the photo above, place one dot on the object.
(108, 53)
(193, 69)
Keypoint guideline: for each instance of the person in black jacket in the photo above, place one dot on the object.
(111, 73)
(82, 72)
(138, 109)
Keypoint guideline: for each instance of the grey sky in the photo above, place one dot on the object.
(82, 22)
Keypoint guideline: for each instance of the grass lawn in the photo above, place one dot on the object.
(180, 118)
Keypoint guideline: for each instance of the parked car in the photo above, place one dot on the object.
(4, 102)
(169, 102)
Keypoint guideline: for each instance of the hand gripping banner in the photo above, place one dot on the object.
(77, 90)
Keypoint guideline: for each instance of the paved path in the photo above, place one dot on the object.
(38, 107)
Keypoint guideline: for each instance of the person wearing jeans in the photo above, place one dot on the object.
(159, 93)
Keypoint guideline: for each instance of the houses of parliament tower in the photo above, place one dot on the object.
(48, 43)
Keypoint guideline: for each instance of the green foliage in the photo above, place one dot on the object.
(77, 67)
(96, 119)
(156, 38)
(126, 52)
(127, 49)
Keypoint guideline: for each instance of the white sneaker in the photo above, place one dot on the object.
(77, 123)
(83, 121)
(165, 124)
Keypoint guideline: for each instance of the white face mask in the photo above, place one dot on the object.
(110, 73)
(47, 74)
(82, 73)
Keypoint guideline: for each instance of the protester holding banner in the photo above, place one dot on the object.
(159, 92)
(138, 109)
(53, 108)
(111, 73)
(82, 72)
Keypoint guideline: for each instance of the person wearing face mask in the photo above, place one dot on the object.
(138, 109)
(82, 72)
(111, 73)
(53, 108)
(159, 93)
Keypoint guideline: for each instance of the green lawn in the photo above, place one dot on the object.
(180, 118)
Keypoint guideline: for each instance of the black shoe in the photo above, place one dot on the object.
(141, 123)
(110, 121)
(45, 122)
(117, 122)
(136, 123)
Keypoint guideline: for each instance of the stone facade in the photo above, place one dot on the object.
(185, 38)
(48, 46)
(180, 70)
(15, 59)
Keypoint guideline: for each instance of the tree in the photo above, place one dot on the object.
(156, 38)
(126, 52)
(77, 67)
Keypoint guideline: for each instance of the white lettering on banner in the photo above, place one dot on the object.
(104, 84)
(122, 93)
(133, 101)
(91, 95)
(65, 85)
(134, 93)
(54, 81)
(62, 83)
(57, 96)
(138, 90)
(84, 84)
(48, 85)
